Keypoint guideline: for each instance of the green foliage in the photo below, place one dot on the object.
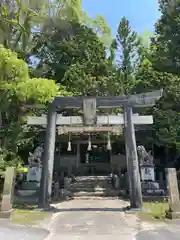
(15, 79)
(39, 90)
(159, 68)
(166, 112)
(19, 17)
(166, 55)
(12, 69)
(6, 159)
(78, 62)
(126, 45)
(144, 51)
(101, 29)
(70, 53)
(80, 80)
(16, 89)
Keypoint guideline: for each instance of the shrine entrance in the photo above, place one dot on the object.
(90, 123)
(98, 154)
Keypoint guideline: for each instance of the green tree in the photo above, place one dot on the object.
(16, 88)
(100, 28)
(166, 40)
(126, 45)
(78, 62)
(159, 68)
(166, 112)
(19, 19)
(144, 49)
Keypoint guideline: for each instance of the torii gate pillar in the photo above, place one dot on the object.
(135, 192)
(48, 159)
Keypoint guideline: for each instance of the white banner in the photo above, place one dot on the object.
(34, 174)
(147, 173)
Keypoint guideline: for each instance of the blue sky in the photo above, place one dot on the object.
(142, 14)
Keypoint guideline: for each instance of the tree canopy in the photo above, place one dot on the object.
(16, 89)
(78, 62)
(160, 69)
(54, 48)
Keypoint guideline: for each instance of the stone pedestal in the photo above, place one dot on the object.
(173, 192)
(149, 186)
(8, 191)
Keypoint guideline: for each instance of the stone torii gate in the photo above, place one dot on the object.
(90, 119)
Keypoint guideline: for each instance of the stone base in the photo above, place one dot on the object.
(6, 214)
(132, 210)
(173, 215)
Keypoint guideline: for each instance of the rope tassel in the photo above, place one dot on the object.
(109, 143)
(89, 144)
(69, 149)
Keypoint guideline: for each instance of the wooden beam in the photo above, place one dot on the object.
(80, 129)
(101, 120)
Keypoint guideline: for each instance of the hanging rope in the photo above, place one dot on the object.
(89, 143)
(109, 138)
(69, 149)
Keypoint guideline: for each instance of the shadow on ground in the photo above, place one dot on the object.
(55, 210)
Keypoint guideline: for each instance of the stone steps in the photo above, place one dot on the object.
(94, 197)
(96, 193)
(90, 189)
(87, 187)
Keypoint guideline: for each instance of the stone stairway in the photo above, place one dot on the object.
(92, 187)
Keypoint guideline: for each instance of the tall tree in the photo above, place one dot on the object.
(126, 45)
(166, 41)
(78, 62)
(166, 112)
(144, 50)
(20, 18)
(162, 71)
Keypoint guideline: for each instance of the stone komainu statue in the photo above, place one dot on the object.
(144, 156)
(35, 157)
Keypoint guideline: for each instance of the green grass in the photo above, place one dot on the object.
(24, 206)
(26, 214)
(28, 217)
(154, 211)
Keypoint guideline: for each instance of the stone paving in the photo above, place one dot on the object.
(9, 231)
(159, 234)
(92, 219)
(99, 219)
(105, 219)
